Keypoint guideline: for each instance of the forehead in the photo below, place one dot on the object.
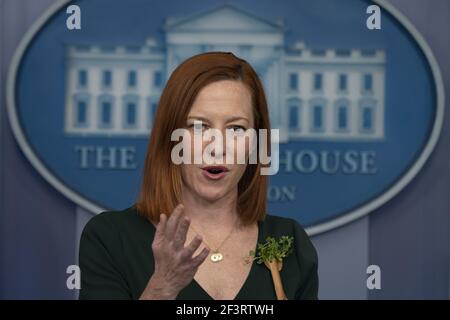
(226, 96)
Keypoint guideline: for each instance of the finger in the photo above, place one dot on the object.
(200, 258)
(161, 227)
(181, 232)
(192, 247)
(173, 221)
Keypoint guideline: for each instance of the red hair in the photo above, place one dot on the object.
(161, 184)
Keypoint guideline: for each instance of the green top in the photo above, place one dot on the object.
(116, 260)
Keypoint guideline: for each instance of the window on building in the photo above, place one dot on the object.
(318, 79)
(157, 79)
(342, 117)
(341, 114)
(106, 112)
(293, 81)
(294, 107)
(293, 117)
(107, 78)
(82, 78)
(317, 117)
(342, 82)
(81, 114)
(368, 82)
(367, 118)
(132, 78)
(131, 113)
(367, 115)
(130, 110)
(317, 114)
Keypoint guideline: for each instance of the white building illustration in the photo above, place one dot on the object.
(331, 94)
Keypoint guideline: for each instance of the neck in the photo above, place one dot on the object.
(221, 212)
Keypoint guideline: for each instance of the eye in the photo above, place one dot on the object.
(198, 126)
(237, 130)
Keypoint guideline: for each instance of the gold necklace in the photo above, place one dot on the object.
(216, 256)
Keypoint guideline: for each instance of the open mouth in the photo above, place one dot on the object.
(215, 172)
(215, 169)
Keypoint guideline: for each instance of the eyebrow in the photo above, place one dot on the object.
(230, 119)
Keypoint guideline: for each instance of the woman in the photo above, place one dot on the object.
(190, 233)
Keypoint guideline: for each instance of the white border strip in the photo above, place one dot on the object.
(313, 230)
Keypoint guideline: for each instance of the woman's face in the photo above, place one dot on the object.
(221, 105)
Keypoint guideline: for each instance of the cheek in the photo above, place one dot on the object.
(197, 146)
(246, 146)
(187, 172)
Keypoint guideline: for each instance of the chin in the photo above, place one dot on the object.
(212, 194)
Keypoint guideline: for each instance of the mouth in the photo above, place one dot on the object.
(214, 172)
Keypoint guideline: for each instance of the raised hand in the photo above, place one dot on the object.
(175, 265)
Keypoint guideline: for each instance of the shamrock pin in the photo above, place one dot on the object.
(271, 253)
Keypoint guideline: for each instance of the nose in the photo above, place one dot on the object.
(217, 139)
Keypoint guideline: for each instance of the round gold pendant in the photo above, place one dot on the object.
(216, 257)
